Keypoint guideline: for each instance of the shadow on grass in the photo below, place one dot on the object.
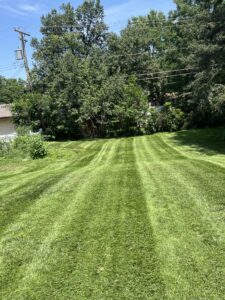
(208, 141)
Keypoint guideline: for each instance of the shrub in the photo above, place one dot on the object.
(152, 121)
(5, 148)
(37, 148)
(21, 145)
(168, 119)
(23, 130)
(30, 145)
(174, 118)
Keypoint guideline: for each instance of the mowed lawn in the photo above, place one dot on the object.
(133, 218)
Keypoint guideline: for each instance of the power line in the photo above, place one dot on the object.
(6, 66)
(7, 69)
(132, 22)
(167, 19)
(152, 54)
(167, 71)
(146, 52)
(164, 73)
(161, 77)
(18, 71)
(79, 27)
(10, 67)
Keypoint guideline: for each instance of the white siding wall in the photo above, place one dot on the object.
(6, 126)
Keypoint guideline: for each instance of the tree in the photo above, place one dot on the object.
(71, 38)
(117, 108)
(90, 25)
(90, 82)
(138, 50)
(206, 52)
(11, 90)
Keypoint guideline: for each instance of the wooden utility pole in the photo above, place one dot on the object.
(24, 55)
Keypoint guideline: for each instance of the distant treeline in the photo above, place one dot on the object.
(88, 81)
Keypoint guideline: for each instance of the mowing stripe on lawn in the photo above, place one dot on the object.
(15, 237)
(137, 218)
(190, 245)
(102, 240)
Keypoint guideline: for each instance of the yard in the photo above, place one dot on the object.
(135, 218)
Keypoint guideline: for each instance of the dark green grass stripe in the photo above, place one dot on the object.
(15, 181)
(207, 177)
(30, 169)
(25, 196)
(171, 151)
(160, 150)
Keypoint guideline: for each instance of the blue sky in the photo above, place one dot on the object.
(26, 14)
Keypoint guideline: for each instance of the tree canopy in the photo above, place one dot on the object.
(11, 90)
(88, 81)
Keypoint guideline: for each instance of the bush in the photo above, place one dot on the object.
(5, 148)
(37, 148)
(21, 145)
(152, 121)
(30, 145)
(168, 119)
(171, 119)
(23, 130)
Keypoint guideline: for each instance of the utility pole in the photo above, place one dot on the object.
(24, 55)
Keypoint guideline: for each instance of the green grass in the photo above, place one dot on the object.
(137, 218)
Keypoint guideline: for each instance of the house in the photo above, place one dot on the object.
(7, 128)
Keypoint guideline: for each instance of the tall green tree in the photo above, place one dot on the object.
(206, 34)
(69, 30)
(71, 38)
(138, 49)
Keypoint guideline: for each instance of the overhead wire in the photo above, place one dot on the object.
(168, 76)
(133, 21)
(6, 66)
(18, 71)
(167, 71)
(146, 52)
(8, 69)
(14, 66)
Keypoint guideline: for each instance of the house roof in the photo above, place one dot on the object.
(5, 111)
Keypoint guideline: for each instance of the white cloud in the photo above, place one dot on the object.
(19, 9)
(29, 7)
(11, 9)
